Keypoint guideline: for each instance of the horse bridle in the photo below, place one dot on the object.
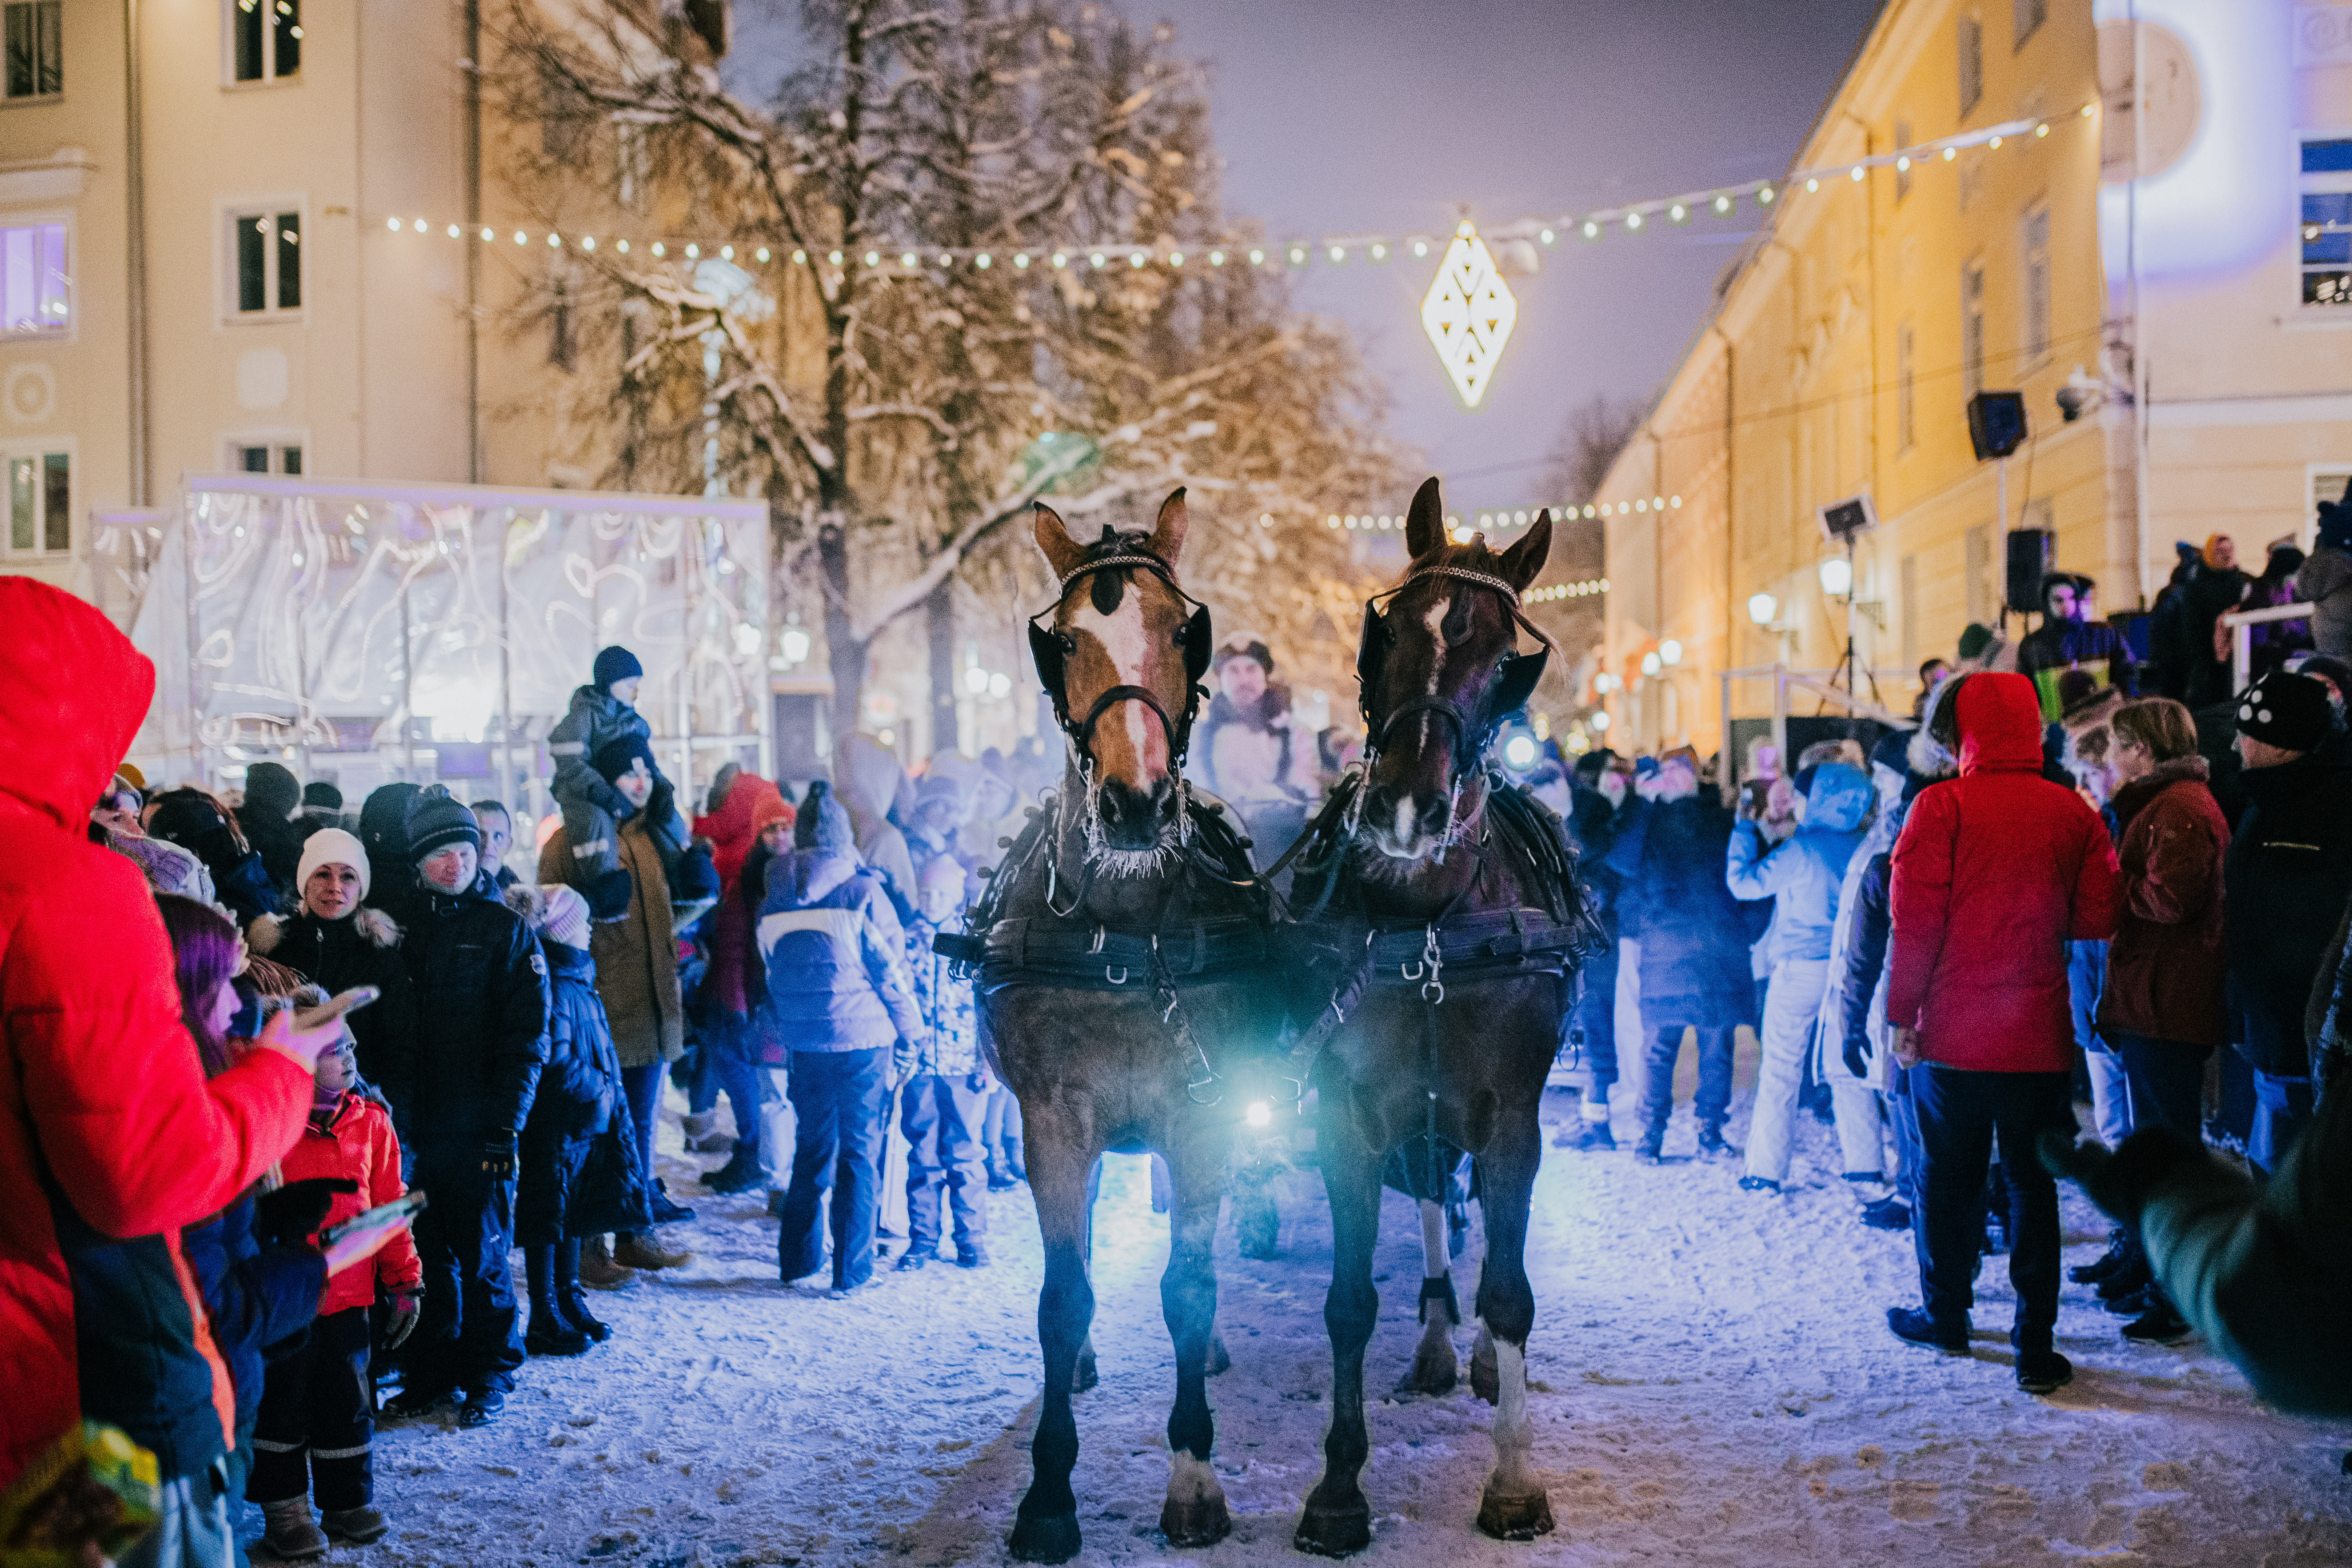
(1050, 647)
(1471, 735)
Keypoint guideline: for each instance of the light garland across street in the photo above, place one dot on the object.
(1327, 250)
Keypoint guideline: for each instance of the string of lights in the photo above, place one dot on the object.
(1328, 250)
(1463, 524)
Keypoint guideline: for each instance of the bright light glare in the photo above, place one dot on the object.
(1519, 750)
(1762, 607)
(1600, 722)
(975, 681)
(1670, 652)
(1259, 1114)
(1837, 577)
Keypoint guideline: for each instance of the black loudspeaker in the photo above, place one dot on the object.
(1843, 520)
(1995, 423)
(2032, 552)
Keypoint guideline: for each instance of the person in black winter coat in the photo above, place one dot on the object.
(1596, 797)
(482, 1006)
(197, 821)
(2287, 877)
(322, 806)
(578, 1176)
(337, 942)
(1669, 857)
(383, 834)
(272, 797)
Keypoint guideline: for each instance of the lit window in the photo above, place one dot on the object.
(33, 36)
(263, 454)
(266, 263)
(40, 503)
(2327, 231)
(2035, 242)
(1972, 329)
(36, 294)
(265, 38)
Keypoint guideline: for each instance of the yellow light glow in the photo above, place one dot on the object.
(1468, 314)
(1950, 153)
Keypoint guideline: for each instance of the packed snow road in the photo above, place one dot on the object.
(1713, 1383)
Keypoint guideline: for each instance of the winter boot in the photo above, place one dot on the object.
(2126, 1281)
(702, 1134)
(482, 1406)
(1587, 1136)
(419, 1400)
(665, 1210)
(970, 1254)
(574, 1304)
(2162, 1324)
(289, 1532)
(645, 1251)
(355, 1526)
(1711, 1144)
(597, 1268)
(1651, 1150)
(739, 1174)
(1765, 1184)
(2043, 1371)
(1914, 1326)
(2118, 1255)
(1886, 1213)
(550, 1335)
(915, 1258)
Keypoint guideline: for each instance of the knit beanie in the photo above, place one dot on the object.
(436, 822)
(384, 822)
(2206, 554)
(272, 790)
(132, 776)
(1892, 752)
(834, 834)
(1245, 645)
(805, 820)
(620, 753)
(2290, 711)
(332, 847)
(1975, 637)
(615, 663)
(564, 916)
(324, 796)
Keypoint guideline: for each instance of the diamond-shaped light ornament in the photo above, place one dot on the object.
(1468, 313)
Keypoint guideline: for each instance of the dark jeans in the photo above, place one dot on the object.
(1959, 1113)
(465, 1334)
(1713, 1101)
(2166, 1081)
(837, 1097)
(317, 1419)
(725, 1063)
(1593, 1025)
(642, 1088)
(942, 1118)
(1000, 1136)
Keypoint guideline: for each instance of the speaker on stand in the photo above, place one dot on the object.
(1997, 428)
(1843, 522)
(2033, 554)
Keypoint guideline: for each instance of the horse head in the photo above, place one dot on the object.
(1122, 654)
(1439, 671)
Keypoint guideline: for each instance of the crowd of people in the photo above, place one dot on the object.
(2063, 884)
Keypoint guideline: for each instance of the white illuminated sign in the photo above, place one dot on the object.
(1468, 313)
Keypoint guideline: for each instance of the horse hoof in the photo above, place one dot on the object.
(1335, 1531)
(1434, 1371)
(1220, 1361)
(1044, 1538)
(1515, 1518)
(1196, 1522)
(1087, 1377)
(1485, 1381)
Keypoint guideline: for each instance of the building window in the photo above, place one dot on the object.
(1907, 407)
(633, 170)
(1971, 64)
(2329, 484)
(1909, 609)
(2327, 224)
(266, 262)
(40, 503)
(2034, 236)
(1901, 172)
(1977, 546)
(562, 348)
(36, 295)
(1972, 329)
(265, 38)
(34, 32)
(262, 455)
(2026, 17)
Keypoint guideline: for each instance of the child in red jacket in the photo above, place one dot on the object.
(318, 1405)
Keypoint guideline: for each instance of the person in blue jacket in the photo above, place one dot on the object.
(836, 961)
(1804, 874)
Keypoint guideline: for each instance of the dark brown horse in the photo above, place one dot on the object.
(1127, 991)
(1441, 906)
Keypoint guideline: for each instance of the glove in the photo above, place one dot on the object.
(1857, 1057)
(2120, 1182)
(400, 1317)
(498, 1157)
(290, 1216)
(661, 803)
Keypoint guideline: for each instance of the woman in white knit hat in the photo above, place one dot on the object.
(337, 942)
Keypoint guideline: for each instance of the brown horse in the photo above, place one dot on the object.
(1126, 987)
(1442, 908)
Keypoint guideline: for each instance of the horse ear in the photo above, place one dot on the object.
(1522, 561)
(1062, 552)
(1424, 524)
(1168, 533)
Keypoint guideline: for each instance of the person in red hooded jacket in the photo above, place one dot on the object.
(748, 828)
(109, 1135)
(1996, 871)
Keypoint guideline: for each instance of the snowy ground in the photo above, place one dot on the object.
(1713, 1384)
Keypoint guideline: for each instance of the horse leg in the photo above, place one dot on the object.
(1433, 1369)
(1514, 1507)
(1045, 1527)
(1194, 1513)
(1086, 1376)
(1337, 1519)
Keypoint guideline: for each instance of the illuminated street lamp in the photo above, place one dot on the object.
(1670, 653)
(1762, 607)
(1837, 577)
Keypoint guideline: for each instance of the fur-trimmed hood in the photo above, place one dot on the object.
(378, 928)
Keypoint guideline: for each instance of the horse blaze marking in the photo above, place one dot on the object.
(1123, 641)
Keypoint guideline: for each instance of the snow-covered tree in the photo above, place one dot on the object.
(892, 399)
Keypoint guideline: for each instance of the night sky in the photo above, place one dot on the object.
(1342, 116)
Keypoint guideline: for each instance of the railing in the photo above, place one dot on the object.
(1808, 682)
(2242, 624)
